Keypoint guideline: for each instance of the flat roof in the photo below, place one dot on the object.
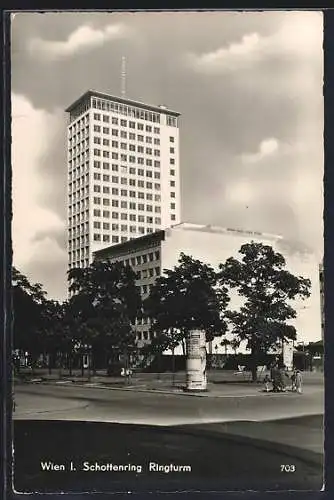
(131, 244)
(121, 100)
(224, 230)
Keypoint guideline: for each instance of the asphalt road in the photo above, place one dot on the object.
(211, 461)
(230, 443)
(72, 402)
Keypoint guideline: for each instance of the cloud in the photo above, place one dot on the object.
(83, 38)
(32, 132)
(299, 35)
(266, 148)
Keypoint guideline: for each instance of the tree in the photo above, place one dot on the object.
(104, 306)
(29, 314)
(186, 298)
(267, 290)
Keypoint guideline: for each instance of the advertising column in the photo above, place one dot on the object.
(196, 361)
(288, 354)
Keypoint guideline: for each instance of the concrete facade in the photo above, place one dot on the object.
(123, 172)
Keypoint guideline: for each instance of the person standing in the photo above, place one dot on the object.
(299, 382)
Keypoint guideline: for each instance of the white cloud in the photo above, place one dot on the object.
(84, 37)
(266, 148)
(32, 131)
(300, 35)
(240, 192)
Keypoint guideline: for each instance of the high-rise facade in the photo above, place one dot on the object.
(123, 172)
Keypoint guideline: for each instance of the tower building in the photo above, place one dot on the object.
(123, 172)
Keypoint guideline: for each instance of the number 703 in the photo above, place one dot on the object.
(288, 468)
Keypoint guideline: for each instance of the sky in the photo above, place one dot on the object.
(247, 84)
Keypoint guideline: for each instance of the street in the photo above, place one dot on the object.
(230, 442)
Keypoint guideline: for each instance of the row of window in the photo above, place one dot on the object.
(125, 168)
(126, 123)
(132, 182)
(131, 217)
(148, 273)
(125, 109)
(132, 159)
(132, 206)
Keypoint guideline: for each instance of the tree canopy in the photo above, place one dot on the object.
(185, 298)
(267, 289)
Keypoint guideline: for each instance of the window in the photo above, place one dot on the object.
(106, 142)
(140, 160)
(96, 212)
(149, 163)
(132, 125)
(106, 178)
(124, 204)
(173, 217)
(106, 130)
(140, 171)
(124, 228)
(123, 123)
(138, 260)
(132, 170)
(172, 161)
(156, 152)
(114, 132)
(124, 216)
(97, 201)
(106, 118)
(157, 175)
(123, 157)
(132, 147)
(132, 159)
(148, 151)
(172, 150)
(140, 138)
(141, 206)
(106, 166)
(97, 237)
(97, 128)
(106, 154)
(172, 206)
(97, 116)
(97, 152)
(106, 225)
(149, 173)
(114, 203)
(106, 201)
(124, 134)
(114, 191)
(114, 156)
(132, 136)
(141, 184)
(141, 230)
(97, 189)
(114, 144)
(114, 168)
(149, 140)
(123, 239)
(124, 180)
(172, 172)
(114, 227)
(141, 195)
(106, 214)
(124, 145)
(172, 195)
(132, 194)
(157, 186)
(157, 210)
(133, 217)
(140, 149)
(132, 205)
(106, 237)
(149, 185)
(106, 190)
(157, 220)
(149, 220)
(171, 139)
(172, 183)
(140, 126)
(114, 179)
(151, 257)
(156, 130)
(114, 215)
(97, 164)
(148, 128)
(141, 218)
(114, 121)
(149, 208)
(132, 182)
(157, 141)
(115, 239)
(97, 176)
(124, 192)
(97, 225)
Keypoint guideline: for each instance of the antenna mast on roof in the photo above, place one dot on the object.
(123, 77)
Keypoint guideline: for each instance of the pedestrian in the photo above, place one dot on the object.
(266, 382)
(299, 382)
(293, 380)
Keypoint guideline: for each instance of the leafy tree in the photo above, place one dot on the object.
(29, 314)
(186, 298)
(267, 289)
(104, 305)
